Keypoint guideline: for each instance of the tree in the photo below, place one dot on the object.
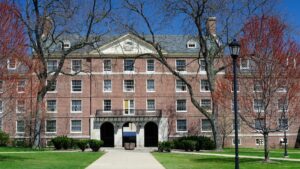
(48, 25)
(269, 77)
(196, 14)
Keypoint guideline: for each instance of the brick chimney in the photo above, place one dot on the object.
(211, 26)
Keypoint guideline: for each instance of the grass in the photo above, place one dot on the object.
(45, 159)
(17, 149)
(187, 161)
(293, 153)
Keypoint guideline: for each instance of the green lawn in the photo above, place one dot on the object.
(46, 160)
(293, 153)
(187, 161)
(17, 149)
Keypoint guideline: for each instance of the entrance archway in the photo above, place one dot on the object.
(151, 135)
(107, 134)
(129, 133)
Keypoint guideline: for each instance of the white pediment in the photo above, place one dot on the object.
(125, 45)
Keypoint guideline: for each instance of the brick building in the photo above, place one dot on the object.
(117, 96)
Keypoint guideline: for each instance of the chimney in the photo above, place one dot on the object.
(211, 26)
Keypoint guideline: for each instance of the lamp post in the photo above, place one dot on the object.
(235, 51)
(285, 125)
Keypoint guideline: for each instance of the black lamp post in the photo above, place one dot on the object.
(235, 51)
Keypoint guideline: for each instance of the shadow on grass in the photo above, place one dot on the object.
(9, 158)
(225, 160)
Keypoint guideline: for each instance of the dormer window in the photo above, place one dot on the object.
(66, 44)
(191, 44)
(11, 64)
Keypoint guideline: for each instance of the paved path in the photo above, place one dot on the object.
(241, 156)
(122, 159)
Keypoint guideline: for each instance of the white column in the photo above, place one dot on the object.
(118, 137)
(163, 128)
(140, 137)
(95, 133)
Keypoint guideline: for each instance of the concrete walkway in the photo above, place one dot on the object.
(240, 156)
(122, 159)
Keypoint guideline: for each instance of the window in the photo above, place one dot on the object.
(180, 86)
(258, 105)
(76, 65)
(52, 87)
(150, 105)
(282, 105)
(204, 86)
(237, 87)
(76, 126)
(11, 64)
(128, 107)
(128, 65)
(245, 64)
(206, 127)
(1, 86)
(232, 106)
(181, 105)
(76, 106)
(202, 65)
(76, 85)
(191, 45)
(283, 124)
(1, 106)
(66, 44)
(233, 141)
(51, 126)
(20, 106)
(238, 125)
(150, 85)
(107, 87)
(259, 124)
(52, 65)
(180, 65)
(257, 87)
(51, 105)
(20, 126)
(128, 86)
(107, 66)
(21, 86)
(107, 105)
(259, 141)
(150, 65)
(206, 104)
(181, 125)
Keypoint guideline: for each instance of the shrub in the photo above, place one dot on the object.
(61, 142)
(57, 143)
(20, 143)
(65, 142)
(164, 146)
(189, 145)
(95, 144)
(4, 137)
(82, 144)
(200, 143)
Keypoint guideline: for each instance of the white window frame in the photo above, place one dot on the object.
(248, 64)
(71, 131)
(17, 106)
(1, 86)
(261, 140)
(55, 111)
(20, 132)
(257, 110)
(107, 111)
(201, 103)
(2, 106)
(148, 84)
(47, 128)
(233, 141)
(129, 108)
(8, 65)
(55, 60)
(286, 106)
(72, 91)
(287, 124)
(18, 86)
(81, 106)
(201, 66)
(54, 91)
(176, 67)
(148, 65)
(177, 87)
(186, 125)
(239, 125)
(107, 71)
(256, 83)
(72, 65)
(191, 42)
(181, 111)
(205, 131)
(147, 108)
(128, 71)
(104, 90)
(124, 88)
(66, 44)
(201, 86)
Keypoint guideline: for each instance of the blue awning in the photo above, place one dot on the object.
(129, 134)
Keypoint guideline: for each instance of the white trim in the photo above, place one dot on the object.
(18, 86)
(111, 85)
(55, 106)
(107, 72)
(203, 131)
(180, 91)
(150, 91)
(8, 64)
(55, 126)
(2, 105)
(147, 110)
(17, 111)
(186, 124)
(71, 106)
(72, 65)
(233, 141)
(248, 64)
(126, 71)
(71, 126)
(72, 86)
(2, 89)
(55, 91)
(17, 127)
(52, 60)
(110, 106)
(133, 86)
(147, 66)
(129, 108)
(181, 111)
(263, 142)
(183, 72)
(205, 91)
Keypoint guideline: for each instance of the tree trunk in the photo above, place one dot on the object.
(266, 146)
(217, 136)
(37, 122)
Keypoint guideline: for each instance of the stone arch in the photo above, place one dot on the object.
(107, 134)
(151, 134)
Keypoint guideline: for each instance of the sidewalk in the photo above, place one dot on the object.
(122, 159)
(240, 156)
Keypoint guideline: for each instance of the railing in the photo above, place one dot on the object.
(132, 112)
